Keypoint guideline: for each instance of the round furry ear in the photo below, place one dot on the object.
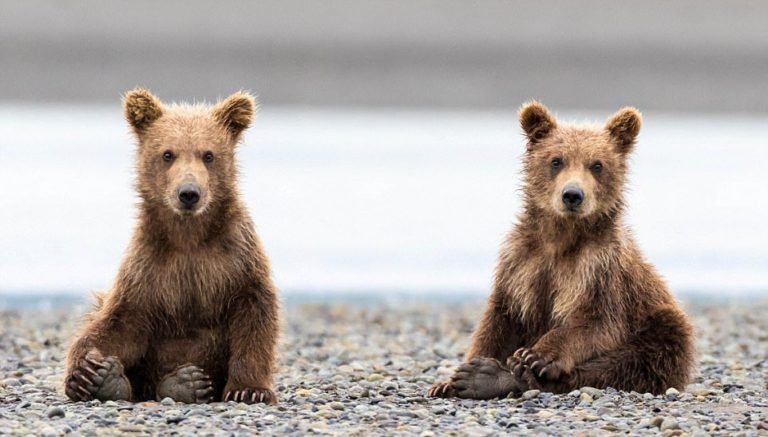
(623, 128)
(141, 109)
(537, 122)
(236, 112)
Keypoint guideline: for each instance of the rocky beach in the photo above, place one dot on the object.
(363, 368)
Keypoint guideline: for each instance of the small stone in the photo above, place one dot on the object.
(545, 414)
(11, 382)
(763, 426)
(338, 406)
(373, 377)
(595, 393)
(669, 423)
(530, 394)
(53, 412)
(585, 397)
(438, 410)
(167, 402)
(672, 393)
(656, 421)
(47, 431)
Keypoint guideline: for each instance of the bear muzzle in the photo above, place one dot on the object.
(189, 195)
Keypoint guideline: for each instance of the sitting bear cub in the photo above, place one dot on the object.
(193, 313)
(574, 302)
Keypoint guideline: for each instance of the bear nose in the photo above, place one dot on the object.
(189, 195)
(572, 197)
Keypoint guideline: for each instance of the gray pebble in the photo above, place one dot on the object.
(53, 412)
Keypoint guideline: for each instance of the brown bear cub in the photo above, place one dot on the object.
(574, 301)
(193, 312)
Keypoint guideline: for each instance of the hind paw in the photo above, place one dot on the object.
(187, 384)
(99, 378)
(484, 378)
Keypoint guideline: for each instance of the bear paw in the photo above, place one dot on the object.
(250, 395)
(187, 384)
(543, 366)
(485, 378)
(97, 378)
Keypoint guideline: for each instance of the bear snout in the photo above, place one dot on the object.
(573, 197)
(188, 194)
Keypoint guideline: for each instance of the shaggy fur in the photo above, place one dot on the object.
(195, 287)
(574, 302)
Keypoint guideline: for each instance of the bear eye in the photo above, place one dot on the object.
(557, 163)
(208, 157)
(596, 167)
(167, 156)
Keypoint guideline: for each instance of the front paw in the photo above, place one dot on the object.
(542, 365)
(442, 389)
(249, 395)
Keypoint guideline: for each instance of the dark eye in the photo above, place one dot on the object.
(596, 167)
(167, 156)
(208, 157)
(557, 163)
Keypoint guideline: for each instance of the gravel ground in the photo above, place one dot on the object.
(364, 369)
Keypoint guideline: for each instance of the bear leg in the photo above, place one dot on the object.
(656, 357)
(188, 384)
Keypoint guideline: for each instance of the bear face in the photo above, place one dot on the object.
(576, 172)
(186, 152)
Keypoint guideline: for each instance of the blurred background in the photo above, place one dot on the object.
(385, 159)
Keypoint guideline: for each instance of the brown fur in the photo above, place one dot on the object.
(573, 295)
(195, 285)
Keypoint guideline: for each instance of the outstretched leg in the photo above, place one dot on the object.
(187, 384)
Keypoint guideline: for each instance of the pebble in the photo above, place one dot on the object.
(53, 412)
(167, 402)
(530, 394)
(669, 423)
(672, 394)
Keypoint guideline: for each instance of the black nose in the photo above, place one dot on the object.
(189, 195)
(572, 197)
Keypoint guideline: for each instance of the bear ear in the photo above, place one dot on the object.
(537, 122)
(623, 128)
(236, 112)
(141, 109)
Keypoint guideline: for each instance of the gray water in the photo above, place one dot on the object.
(378, 201)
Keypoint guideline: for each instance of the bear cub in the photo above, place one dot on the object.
(193, 312)
(574, 301)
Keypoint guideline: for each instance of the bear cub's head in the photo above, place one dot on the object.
(576, 172)
(186, 152)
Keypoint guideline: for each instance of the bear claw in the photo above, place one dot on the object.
(251, 396)
(443, 389)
